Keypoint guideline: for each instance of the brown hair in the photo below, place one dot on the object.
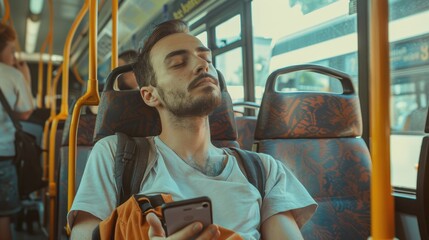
(144, 71)
(7, 34)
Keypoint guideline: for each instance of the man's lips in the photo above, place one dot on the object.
(202, 79)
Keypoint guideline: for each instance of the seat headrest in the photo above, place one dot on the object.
(126, 112)
(309, 114)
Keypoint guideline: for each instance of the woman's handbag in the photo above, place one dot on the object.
(27, 158)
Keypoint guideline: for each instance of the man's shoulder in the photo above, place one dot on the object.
(262, 156)
(111, 142)
(108, 140)
(268, 162)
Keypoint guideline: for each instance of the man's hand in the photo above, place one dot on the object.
(156, 231)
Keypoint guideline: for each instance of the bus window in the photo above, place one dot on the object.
(306, 81)
(230, 64)
(408, 117)
(409, 60)
(229, 59)
(319, 32)
(228, 32)
(203, 38)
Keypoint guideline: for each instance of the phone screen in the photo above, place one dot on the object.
(180, 214)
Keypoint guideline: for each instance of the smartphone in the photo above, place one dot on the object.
(180, 214)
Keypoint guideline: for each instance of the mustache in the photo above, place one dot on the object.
(197, 80)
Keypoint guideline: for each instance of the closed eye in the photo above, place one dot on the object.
(178, 65)
(206, 57)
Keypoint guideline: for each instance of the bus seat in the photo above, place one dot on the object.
(223, 128)
(415, 121)
(57, 161)
(422, 191)
(84, 146)
(124, 111)
(245, 125)
(246, 130)
(317, 136)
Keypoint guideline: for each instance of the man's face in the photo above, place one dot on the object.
(187, 82)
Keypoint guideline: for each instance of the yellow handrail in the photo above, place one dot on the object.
(91, 97)
(50, 102)
(77, 75)
(382, 205)
(40, 102)
(50, 44)
(55, 86)
(114, 34)
(40, 75)
(6, 15)
(52, 193)
(62, 115)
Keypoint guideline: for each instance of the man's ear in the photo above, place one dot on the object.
(149, 95)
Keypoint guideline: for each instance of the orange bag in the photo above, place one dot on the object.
(128, 221)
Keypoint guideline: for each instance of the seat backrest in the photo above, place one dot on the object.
(316, 135)
(422, 191)
(126, 112)
(245, 124)
(84, 146)
(246, 130)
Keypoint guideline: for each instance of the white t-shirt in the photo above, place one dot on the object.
(236, 203)
(20, 99)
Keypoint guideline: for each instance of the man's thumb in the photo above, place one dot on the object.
(155, 226)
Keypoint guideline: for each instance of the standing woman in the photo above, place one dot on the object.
(15, 83)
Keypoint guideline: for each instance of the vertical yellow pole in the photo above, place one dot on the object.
(49, 91)
(6, 12)
(114, 34)
(382, 206)
(90, 97)
(40, 76)
(65, 90)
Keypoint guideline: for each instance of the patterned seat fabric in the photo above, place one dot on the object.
(85, 129)
(246, 130)
(316, 135)
(125, 111)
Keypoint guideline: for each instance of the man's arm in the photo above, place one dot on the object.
(83, 226)
(281, 226)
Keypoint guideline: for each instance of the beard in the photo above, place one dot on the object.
(182, 104)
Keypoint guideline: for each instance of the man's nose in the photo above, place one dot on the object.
(202, 66)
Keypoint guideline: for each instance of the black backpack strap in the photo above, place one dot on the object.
(252, 167)
(130, 165)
